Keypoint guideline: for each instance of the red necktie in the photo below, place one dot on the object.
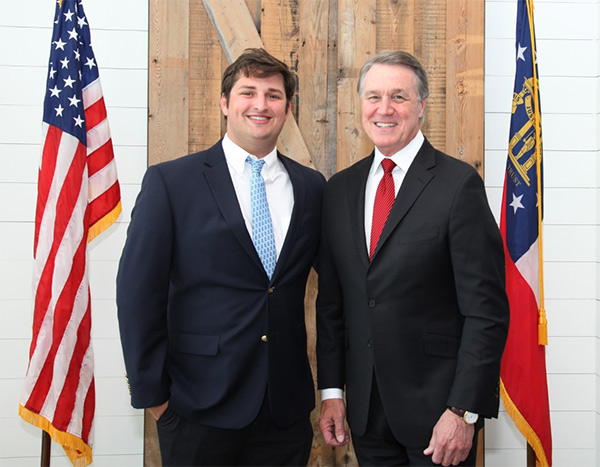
(384, 198)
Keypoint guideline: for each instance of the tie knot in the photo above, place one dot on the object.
(256, 165)
(388, 165)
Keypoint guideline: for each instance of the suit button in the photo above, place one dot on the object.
(372, 303)
(271, 290)
(264, 338)
(370, 343)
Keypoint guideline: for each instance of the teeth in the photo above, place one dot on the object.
(257, 118)
(385, 125)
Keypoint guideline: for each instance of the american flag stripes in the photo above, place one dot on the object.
(78, 198)
(523, 386)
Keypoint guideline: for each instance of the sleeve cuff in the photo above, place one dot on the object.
(332, 393)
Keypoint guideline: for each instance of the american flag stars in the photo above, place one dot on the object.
(72, 67)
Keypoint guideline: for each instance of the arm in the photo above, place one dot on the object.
(477, 256)
(142, 293)
(330, 345)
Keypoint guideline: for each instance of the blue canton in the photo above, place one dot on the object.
(72, 68)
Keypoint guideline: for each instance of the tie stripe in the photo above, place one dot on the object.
(384, 199)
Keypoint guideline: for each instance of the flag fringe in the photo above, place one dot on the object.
(529, 433)
(542, 327)
(77, 450)
(104, 223)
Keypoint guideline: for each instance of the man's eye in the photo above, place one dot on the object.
(399, 98)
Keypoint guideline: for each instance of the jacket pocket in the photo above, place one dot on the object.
(441, 346)
(197, 344)
(417, 236)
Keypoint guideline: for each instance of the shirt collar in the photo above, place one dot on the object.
(236, 158)
(403, 158)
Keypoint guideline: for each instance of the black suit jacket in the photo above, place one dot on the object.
(429, 314)
(194, 300)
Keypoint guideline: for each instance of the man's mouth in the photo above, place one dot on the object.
(385, 125)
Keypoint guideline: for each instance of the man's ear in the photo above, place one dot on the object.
(223, 104)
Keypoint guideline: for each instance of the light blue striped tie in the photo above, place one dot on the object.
(262, 227)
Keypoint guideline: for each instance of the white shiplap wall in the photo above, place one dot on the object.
(120, 37)
(567, 40)
(568, 55)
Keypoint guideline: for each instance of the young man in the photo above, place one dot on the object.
(412, 315)
(211, 283)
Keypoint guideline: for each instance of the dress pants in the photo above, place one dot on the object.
(379, 446)
(184, 442)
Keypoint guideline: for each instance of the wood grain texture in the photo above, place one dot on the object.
(312, 67)
(356, 43)
(464, 81)
(430, 49)
(168, 71)
(205, 72)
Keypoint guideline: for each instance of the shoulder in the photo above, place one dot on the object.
(184, 166)
(295, 169)
(356, 171)
(444, 166)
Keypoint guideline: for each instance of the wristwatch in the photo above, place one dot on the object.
(469, 417)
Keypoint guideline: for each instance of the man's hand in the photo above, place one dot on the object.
(331, 422)
(158, 410)
(451, 441)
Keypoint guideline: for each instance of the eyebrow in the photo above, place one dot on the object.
(270, 90)
(393, 91)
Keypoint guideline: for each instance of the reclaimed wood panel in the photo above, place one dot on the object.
(311, 70)
(464, 81)
(430, 49)
(395, 25)
(357, 26)
(168, 85)
(325, 43)
(206, 62)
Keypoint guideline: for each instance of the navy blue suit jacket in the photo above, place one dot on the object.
(194, 301)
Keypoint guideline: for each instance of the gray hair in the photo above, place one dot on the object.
(397, 58)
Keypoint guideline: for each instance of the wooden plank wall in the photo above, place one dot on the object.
(325, 42)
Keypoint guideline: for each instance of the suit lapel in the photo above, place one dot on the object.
(297, 212)
(219, 180)
(415, 181)
(357, 182)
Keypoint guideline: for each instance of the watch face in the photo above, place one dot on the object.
(471, 417)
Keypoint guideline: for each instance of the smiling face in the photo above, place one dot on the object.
(256, 112)
(391, 107)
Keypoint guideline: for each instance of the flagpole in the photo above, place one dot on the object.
(46, 443)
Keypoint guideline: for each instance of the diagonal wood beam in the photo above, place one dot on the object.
(236, 31)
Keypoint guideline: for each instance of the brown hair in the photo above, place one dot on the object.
(258, 63)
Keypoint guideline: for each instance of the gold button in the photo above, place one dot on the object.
(264, 338)
(271, 290)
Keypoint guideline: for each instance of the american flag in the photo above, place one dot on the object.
(524, 386)
(78, 198)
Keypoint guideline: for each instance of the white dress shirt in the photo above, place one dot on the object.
(403, 159)
(280, 192)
